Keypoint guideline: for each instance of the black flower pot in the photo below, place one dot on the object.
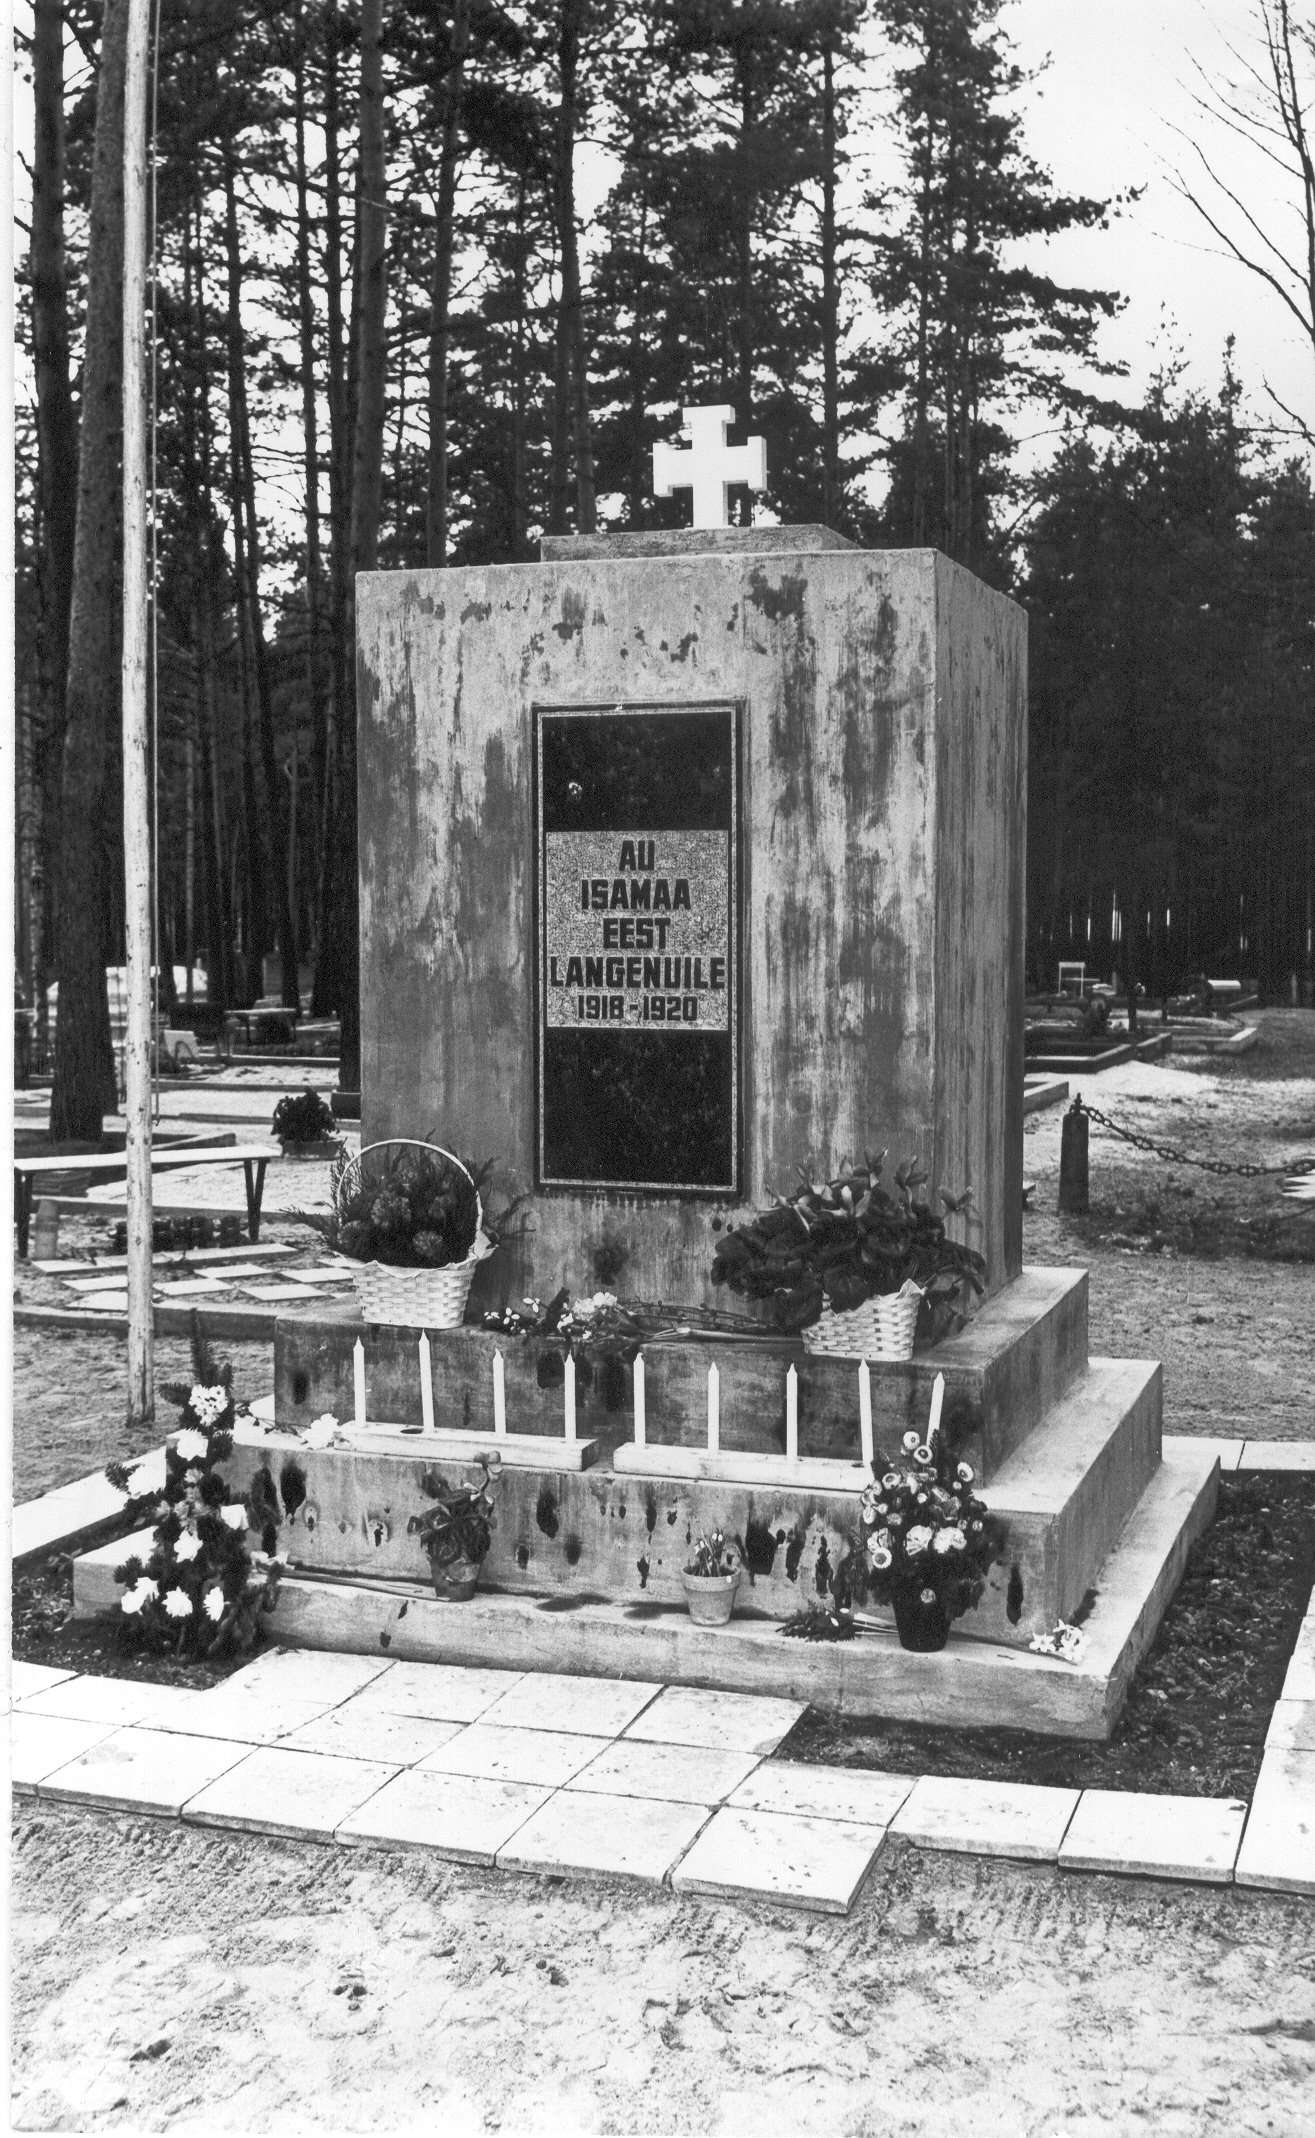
(922, 1627)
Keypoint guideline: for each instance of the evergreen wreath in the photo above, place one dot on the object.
(200, 1592)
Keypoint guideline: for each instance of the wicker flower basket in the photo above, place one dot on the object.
(414, 1298)
(879, 1329)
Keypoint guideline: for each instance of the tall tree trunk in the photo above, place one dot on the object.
(520, 497)
(370, 342)
(84, 1083)
(441, 293)
(57, 433)
(310, 449)
(568, 60)
(744, 247)
(640, 463)
(328, 962)
(244, 505)
(830, 299)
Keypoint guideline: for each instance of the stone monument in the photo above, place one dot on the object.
(689, 859)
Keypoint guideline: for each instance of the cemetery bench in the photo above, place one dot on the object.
(252, 1157)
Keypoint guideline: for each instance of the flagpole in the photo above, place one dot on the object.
(136, 790)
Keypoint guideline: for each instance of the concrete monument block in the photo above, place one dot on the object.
(679, 872)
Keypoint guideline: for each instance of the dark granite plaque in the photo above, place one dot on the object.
(637, 997)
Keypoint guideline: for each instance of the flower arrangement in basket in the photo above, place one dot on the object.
(411, 1214)
(199, 1592)
(457, 1530)
(928, 1543)
(851, 1262)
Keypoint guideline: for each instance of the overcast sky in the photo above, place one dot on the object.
(1121, 80)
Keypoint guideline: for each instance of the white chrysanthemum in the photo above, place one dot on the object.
(141, 1592)
(917, 1540)
(948, 1540)
(891, 1479)
(964, 1473)
(927, 1596)
(190, 1446)
(319, 1433)
(879, 1556)
(187, 1546)
(177, 1604)
(214, 1603)
(208, 1404)
(923, 1454)
(869, 1503)
(909, 1442)
(234, 1514)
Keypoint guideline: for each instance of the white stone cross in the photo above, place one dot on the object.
(709, 466)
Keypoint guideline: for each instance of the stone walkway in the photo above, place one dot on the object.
(578, 1776)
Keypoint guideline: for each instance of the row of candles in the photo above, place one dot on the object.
(714, 1401)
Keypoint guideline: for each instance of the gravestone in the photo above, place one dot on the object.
(687, 861)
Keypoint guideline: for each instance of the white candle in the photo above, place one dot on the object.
(570, 1396)
(937, 1399)
(865, 1412)
(714, 1411)
(640, 1420)
(792, 1416)
(499, 1398)
(358, 1377)
(426, 1385)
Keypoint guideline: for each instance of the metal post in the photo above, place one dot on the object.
(136, 732)
(1073, 1162)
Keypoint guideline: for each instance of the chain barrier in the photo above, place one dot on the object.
(1183, 1158)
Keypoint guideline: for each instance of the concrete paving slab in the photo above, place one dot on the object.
(727, 1722)
(1298, 1455)
(986, 1818)
(1228, 1452)
(1299, 1679)
(764, 1855)
(28, 1678)
(681, 1774)
(60, 1517)
(142, 1770)
(1291, 1727)
(310, 1674)
(459, 1816)
(578, 1834)
(246, 1718)
(1154, 1836)
(116, 1702)
(41, 1744)
(543, 1758)
(303, 1795)
(858, 1796)
(443, 1692)
(1278, 1847)
(587, 1707)
(354, 1732)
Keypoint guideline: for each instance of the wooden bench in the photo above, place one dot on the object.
(252, 1157)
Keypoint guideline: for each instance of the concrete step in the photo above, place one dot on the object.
(972, 1683)
(1003, 1372)
(1064, 1496)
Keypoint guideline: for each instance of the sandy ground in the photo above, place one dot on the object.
(167, 1978)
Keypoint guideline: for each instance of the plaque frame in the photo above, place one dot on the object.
(730, 1188)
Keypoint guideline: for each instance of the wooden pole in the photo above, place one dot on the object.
(7, 733)
(136, 735)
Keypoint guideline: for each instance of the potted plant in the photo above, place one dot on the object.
(711, 1577)
(457, 1530)
(304, 1125)
(929, 1542)
(410, 1215)
(852, 1262)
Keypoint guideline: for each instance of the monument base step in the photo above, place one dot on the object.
(970, 1684)
(808, 1474)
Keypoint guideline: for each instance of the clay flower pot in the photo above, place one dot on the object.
(921, 1623)
(710, 1597)
(456, 1580)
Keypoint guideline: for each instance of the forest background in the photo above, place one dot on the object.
(387, 337)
